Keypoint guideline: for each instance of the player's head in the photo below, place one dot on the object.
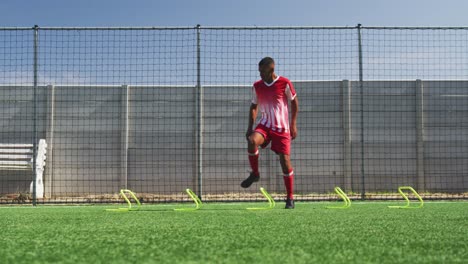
(266, 67)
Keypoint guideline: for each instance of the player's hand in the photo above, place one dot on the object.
(293, 132)
(248, 133)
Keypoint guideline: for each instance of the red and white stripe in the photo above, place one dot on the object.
(273, 101)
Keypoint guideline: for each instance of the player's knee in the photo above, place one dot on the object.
(252, 141)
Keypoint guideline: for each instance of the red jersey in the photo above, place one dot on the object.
(272, 99)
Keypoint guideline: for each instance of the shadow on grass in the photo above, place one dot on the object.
(190, 210)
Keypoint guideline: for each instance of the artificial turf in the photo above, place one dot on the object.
(227, 233)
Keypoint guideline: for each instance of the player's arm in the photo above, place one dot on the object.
(252, 118)
(292, 97)
(294, 111)
(252, 113)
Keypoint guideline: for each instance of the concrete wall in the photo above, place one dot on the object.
(102, 138)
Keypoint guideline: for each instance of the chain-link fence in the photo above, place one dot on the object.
(88, 111)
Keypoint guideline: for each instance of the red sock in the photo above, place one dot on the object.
(289, 183)
(253, 160)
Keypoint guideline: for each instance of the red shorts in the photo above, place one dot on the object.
(280, 142)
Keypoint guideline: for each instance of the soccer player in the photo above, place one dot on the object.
(272, 94)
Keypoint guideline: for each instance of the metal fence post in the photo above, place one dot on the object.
(347, 154)
(34, 139)
(199, 115)
(361, 94)
(124, 136)
(49, 176)
(420, 135)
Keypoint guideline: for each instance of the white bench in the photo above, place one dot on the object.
(20, 157)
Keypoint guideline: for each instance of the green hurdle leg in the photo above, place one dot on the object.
(407, 205)
(271, 201)
(123, 194)
(346, 200)
(196, 200)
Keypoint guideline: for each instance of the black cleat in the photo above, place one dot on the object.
(289, 204)
(251, 179)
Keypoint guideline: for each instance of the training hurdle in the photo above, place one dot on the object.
(346, 200)
(271, 201)
(196, 200)
(129, 208)
(407, 206)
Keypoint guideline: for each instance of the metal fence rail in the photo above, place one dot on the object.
(161, 109)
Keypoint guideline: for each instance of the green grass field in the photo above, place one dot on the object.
(227, 233)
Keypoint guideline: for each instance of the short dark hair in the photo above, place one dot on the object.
(266, 61)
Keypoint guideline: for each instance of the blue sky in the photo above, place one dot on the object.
(168, 57)
(238, 12)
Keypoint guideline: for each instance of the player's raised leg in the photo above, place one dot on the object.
(288, 177)
(254, 140)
